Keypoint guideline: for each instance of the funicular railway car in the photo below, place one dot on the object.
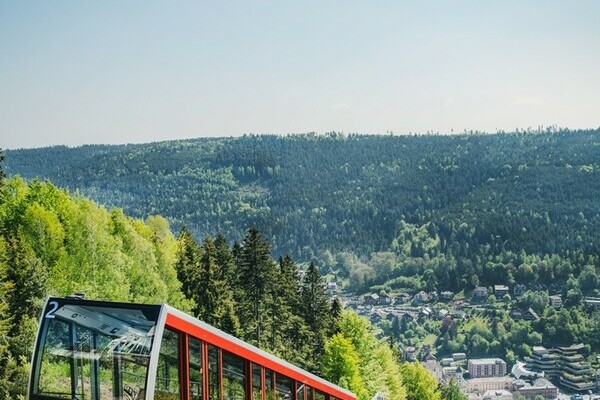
(93, 350)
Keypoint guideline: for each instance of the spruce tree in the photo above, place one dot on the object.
(2, 176)
(208, 286)
(283, 304)
(289, 283)
(335, 315)
(236, 252)
(315, 310)
(214, 297)
(188, 263)
(256, 278)
(225, 259)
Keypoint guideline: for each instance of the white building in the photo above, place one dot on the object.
(486, 367)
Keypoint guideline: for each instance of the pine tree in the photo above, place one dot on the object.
(214, 297)
(29, 279)
(2, 176)
(23, 283)
(229, 321)
(289, 283)
(256, 278)
(335, 315)
(283, 306)
(236, 252)
(225, 259)
(396, 329)
(315, 310)
(208, 287)
(188, 262)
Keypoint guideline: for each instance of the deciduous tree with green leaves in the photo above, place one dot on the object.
(420, 384)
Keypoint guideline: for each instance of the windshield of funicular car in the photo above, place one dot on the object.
(93, 350)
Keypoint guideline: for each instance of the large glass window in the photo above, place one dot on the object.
(214, 373)
(256, 385)
(56, 369)
(195, 370)
(270, 384)
(93, 350)
(234, 379)
(168, 374)
(300, 391)
(284, 388)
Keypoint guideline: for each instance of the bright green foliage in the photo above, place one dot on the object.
(377, 366)
(419, 382)
(51, 243)
(394, 388)
(341, 365)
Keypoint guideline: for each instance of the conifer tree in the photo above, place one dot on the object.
(315, 305)
(283, 305)
(296, 342)
(229, 321)
(188, 262)
(225, 259)
(289, 283)
(335, 315)
(236, 252)
(23, 282)
(256, 278)
(214, 298)
(315, 310)
(2, 176)
(29, 282)
(209, 287)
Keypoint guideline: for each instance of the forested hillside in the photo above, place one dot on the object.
(55, 244)
(522, 191)
(349, 202)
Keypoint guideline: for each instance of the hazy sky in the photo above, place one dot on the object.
(138, 71)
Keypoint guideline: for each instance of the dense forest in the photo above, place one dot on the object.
(53, 243)
(339, 200)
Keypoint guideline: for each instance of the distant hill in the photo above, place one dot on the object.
(533, 192)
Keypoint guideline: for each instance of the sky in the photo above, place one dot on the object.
(86, 72)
